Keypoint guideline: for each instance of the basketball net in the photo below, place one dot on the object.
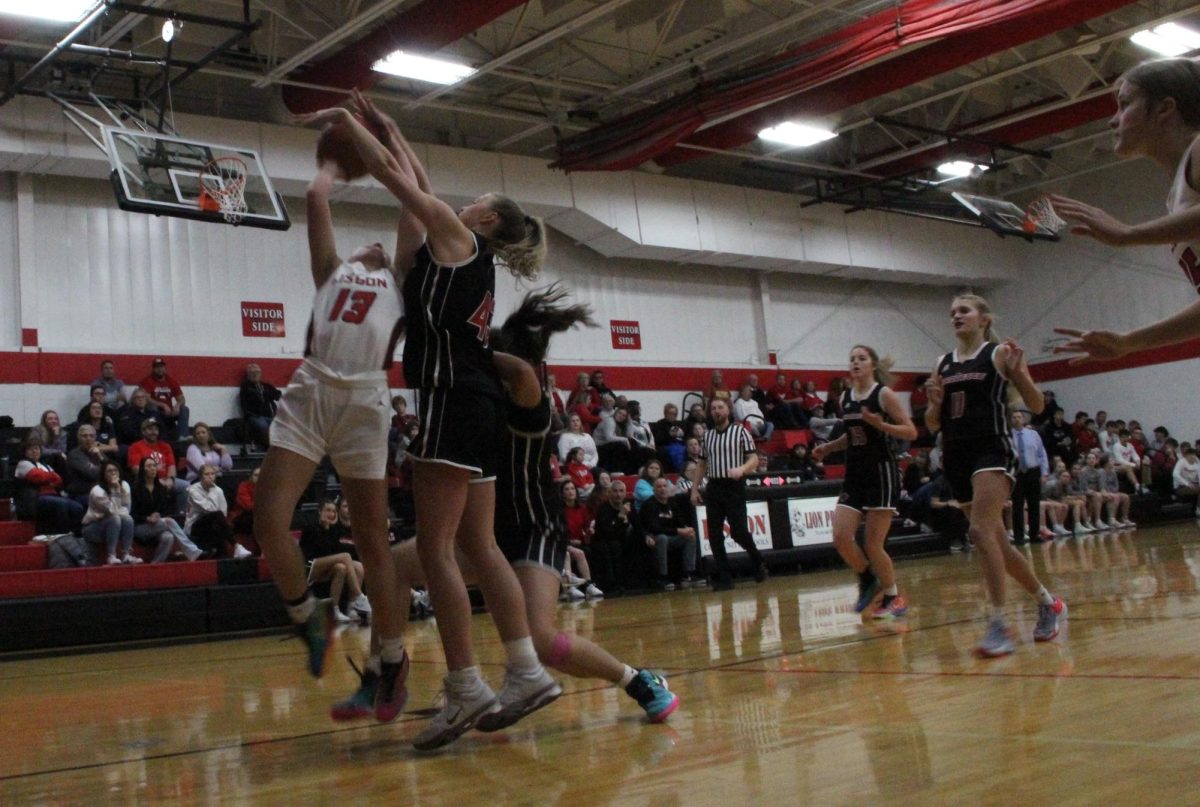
(224, 182)
(1041, 212)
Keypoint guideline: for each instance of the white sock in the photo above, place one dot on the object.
(465, 680)
(627, 676)
(300, 613)
(1043, 596)
(891, 591)
(522, 657)
(392, 650)
(374, 665)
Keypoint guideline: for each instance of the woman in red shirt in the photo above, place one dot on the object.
(577, 515)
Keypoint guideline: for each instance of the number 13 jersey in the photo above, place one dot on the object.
(357, 319)
(975, 400)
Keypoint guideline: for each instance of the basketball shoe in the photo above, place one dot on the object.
(520, 696)
(317, 634)
(868, 587)
(392, 693)
(651, 693)
(361, 704)
(460, 710)
(997, 641)
(1047, 622)
(891, 607)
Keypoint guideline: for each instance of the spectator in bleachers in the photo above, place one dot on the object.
(114, 388)
(154, 522)
(669, 437)
(1057, 438)
(168, 397)
(1091, 483)
(241, 515)
(83, 465)
(1086, 438)
(833, 399)
(1107, 437)
(1158, 439)
(107, 521)
(131, 416)
(1117, 501)
(666, 527)
(584, 400)
(329, 562)
(946, 515)
(641, 431)
(1047, 414)
(608, 409)
(800, 461)
(207, 521)
(96, 395)
(558, 404)
(576, 437)
(102, 425)
(716, 389)
(163, 454)
(917, 473)
(596, 382)
(1186, 477)
(204, 450)
(809, 400)
(599, 494)
(693, 446)
(258, 400)
(695, 417)
(576, 514)
(746, 411)
(613, 535)
(39, 493)
(619, 444)
(578, 473)
(1126, 462)
(776, 407)
(643, 489)
(54, 440)
(1162, 468)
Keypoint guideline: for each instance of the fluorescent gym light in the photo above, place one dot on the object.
(795, 134)
(422, 68)
(51, 10)
(960, 168)
(1168, 39)
(168, 30)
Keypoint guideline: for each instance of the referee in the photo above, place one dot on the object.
(726, 457)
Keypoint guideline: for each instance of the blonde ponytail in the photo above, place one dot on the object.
(519, 240)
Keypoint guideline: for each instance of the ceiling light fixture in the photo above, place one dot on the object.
(422, 68)
(168, 30)
(961, 168)
(797, 135)
(49, 10)
(1168, 39)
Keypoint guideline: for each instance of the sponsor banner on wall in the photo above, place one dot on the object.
(626, 334)
(262, 319)
(811, 520)
(757, 520)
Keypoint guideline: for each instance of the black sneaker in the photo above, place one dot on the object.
(760, 573)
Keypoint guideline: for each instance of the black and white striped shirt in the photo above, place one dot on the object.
(725, 450)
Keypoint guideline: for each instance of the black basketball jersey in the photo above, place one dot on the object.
(449, 320)
(864, 443)
(975, 403)
(527, 500)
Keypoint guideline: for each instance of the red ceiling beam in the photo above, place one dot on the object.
(424, 28)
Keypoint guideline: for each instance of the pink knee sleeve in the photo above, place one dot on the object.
(560, 651)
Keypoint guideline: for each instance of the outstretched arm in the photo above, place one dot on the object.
(1100, 345)
(1179, 227)
(322, 249)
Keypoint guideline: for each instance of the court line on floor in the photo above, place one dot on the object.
(972, 674)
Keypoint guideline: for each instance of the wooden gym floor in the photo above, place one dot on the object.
(787, 698)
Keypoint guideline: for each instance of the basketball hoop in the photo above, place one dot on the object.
(224, 181)
(1041, 212)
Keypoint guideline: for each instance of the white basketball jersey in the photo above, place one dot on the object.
(1181, 197)
(356, 321)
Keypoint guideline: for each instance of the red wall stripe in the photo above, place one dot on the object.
(227, 371)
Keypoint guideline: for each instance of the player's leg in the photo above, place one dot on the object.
(282, 479)
(845, 524)
(879, 523)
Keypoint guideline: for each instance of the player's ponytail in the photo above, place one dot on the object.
(519, 239)
(526, 332)
(1177, 78)
(880, 368)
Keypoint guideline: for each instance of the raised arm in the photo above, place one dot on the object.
(322, 248)
(1010, 359)
(1100, 345)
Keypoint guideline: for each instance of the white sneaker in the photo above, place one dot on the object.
(572, 580)
(1090, 527)
(574, 594)
(113, 560)
(131, 560)
(521, 695)
(1101, 524)
(360, 605)
(240, 552)
(1059, 529)
(459, 713)
(1079, 530)
(1129, 525)
(592, 592)
(339, 617)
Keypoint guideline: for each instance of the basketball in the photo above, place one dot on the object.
(337, 144)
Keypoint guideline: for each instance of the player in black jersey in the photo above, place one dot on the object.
(449, 258)
(529, 521)
(873, 417)
(968, 396)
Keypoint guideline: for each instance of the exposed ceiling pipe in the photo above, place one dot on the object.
(426, 27)
(945, 55)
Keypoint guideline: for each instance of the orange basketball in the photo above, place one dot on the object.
(336, 143)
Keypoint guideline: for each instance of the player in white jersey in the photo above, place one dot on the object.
(338, 403)
(1158, 116)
